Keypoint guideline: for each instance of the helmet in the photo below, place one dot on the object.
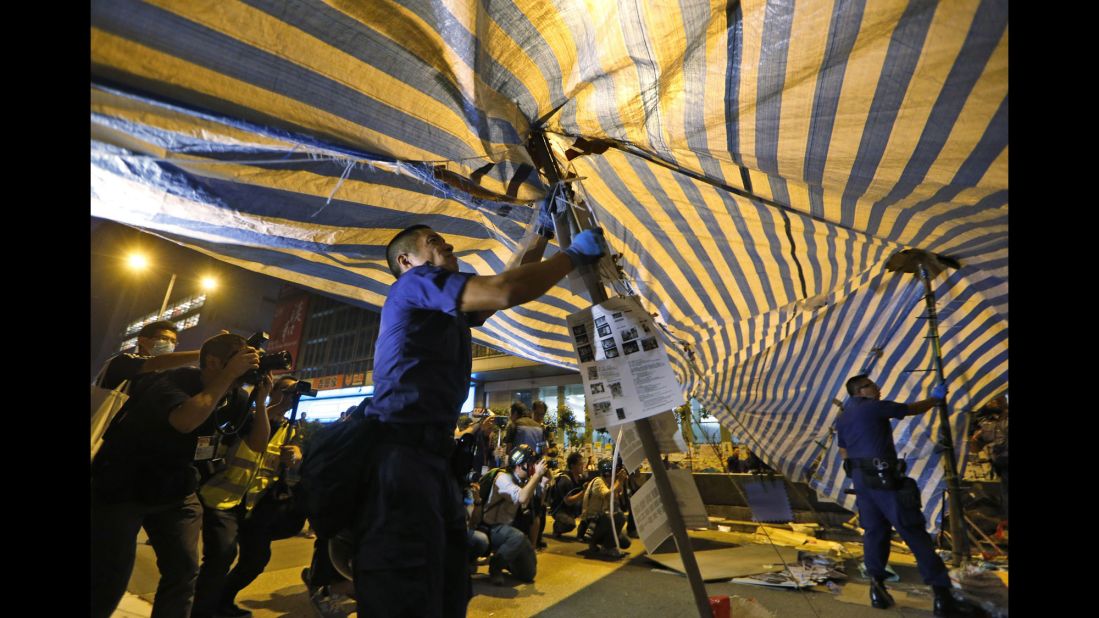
(521, 456)
(604, 467)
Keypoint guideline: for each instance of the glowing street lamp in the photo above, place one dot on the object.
(139, 262)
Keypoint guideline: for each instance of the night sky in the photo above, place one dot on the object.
(119, 295)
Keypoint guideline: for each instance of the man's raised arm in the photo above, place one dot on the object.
(938, 395)
(530, 280)
(192, 413)
(170, 361)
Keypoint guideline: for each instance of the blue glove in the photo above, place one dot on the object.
(939, 392)
(543, 225)
(586, 247)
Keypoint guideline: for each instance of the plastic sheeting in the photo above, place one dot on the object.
(764, 160)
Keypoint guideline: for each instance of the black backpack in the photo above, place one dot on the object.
(554, 499)
(332, 470)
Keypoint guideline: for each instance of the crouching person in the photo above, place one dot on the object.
(566, 495)
(512, 489)
(597, 504)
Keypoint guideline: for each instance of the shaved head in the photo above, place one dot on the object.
(403, 242)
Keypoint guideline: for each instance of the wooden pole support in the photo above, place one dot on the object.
(540, 152)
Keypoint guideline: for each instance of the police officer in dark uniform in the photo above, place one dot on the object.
(411, 556)
(885, 497)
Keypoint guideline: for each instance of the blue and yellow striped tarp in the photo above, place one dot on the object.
(756, 163)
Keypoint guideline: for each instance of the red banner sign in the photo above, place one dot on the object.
(287, 326)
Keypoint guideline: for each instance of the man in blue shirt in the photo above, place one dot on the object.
(411, 557)
(886, 498)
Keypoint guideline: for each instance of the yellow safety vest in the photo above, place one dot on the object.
(248, 474)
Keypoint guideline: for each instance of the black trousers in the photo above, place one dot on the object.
(321, 571)
(412, 550)
(173, 530)
(224, 534)
(603, 536)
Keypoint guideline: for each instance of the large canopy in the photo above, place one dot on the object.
(755, 163)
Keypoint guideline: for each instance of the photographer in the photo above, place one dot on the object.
(156, 344)
(523, 429)
(566, 495)
(597, 505)
(512, 490)
(144, 475)
(229, 496)
(472, 436)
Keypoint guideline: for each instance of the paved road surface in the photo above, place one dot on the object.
(570, 584)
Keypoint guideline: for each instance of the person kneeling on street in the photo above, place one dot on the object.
(512, 489)
(566, 496)
(597, 504)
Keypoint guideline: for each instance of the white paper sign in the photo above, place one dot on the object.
(624, 365)
(648, 513)
(668, 439)
(652, 521)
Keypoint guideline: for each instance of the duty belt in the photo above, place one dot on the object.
(880, 465)
(435, 439)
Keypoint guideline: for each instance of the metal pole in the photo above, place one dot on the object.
(542, 156)
(164, 305)
(959, 543)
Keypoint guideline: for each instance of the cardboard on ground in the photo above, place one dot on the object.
(652, 520)
(728, 562)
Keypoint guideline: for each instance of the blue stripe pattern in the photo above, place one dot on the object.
(306, 175)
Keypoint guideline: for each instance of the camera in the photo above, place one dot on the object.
(500, 421)
(551, 464)
(267, 362)
(304, 387)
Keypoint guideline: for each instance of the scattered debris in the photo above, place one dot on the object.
(983, 584)
(783, 579)
(808, 529)
(811, 569)
(801, 540)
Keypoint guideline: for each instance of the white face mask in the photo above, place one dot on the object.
(162, 347)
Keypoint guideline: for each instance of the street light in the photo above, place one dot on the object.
(139, 262)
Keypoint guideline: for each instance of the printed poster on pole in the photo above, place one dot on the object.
(625, 368)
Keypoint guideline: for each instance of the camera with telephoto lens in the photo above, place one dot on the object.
(267, 362)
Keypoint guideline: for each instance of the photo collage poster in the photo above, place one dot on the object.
(626, 372)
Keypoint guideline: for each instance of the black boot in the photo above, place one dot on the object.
(946, 605)
(879, 597)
